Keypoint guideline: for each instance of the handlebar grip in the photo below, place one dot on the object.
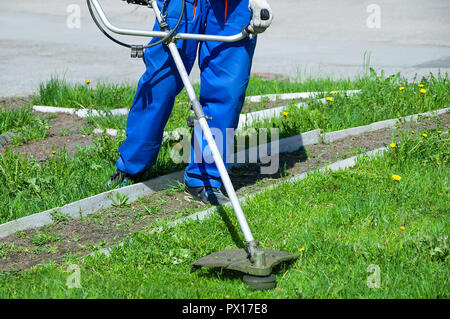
(265, 14)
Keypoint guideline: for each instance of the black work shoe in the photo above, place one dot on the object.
(207, 195)
(119, 179)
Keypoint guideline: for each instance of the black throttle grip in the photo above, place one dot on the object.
(265, 14)
(141, 2)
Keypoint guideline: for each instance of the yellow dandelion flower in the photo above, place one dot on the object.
(330, 99)
(413, 132)
(396, 177)
(285, 113)
(393, 145)
(440, 132)
(423, 91)
(53, 152)
(301, 249)
(424, 134)
(421, 85)
(401, 88)
(178, 101)
(402, 227)
(88, 82)
(334, 92)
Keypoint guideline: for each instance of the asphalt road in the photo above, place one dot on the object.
(319, 38)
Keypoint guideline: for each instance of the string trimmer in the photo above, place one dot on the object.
(257, 264)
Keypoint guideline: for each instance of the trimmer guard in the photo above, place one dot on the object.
(237, 259)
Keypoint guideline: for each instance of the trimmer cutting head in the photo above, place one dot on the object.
(257, 272)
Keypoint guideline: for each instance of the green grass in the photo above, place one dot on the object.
(26, 124)
(57, 92)
(380, 99)
(340, 223)
(28, 187)
(260, 86)
(178, 118)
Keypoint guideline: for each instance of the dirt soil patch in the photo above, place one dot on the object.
(66, 132)
(65, 237)
(15, 102)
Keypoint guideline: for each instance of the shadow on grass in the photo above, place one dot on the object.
(235, 235)
(249, 174)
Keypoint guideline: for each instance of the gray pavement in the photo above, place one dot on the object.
(319, 38)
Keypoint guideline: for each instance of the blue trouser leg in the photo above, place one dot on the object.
(155, 94)
(225, 72)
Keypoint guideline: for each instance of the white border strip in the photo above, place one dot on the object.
(83, 113)
(124, 111)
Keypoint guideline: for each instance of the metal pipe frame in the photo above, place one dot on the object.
(161, 34)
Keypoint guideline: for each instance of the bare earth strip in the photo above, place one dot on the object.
(79, 237)
(65, 133)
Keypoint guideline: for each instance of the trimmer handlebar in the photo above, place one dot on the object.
(161, 34)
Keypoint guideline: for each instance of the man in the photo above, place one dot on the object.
(225, 72)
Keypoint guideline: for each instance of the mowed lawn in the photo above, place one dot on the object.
(387, 218)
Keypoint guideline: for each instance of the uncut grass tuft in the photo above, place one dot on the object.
(25, 124)
(381, 98)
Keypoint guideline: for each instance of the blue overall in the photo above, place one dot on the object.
(225, 71)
